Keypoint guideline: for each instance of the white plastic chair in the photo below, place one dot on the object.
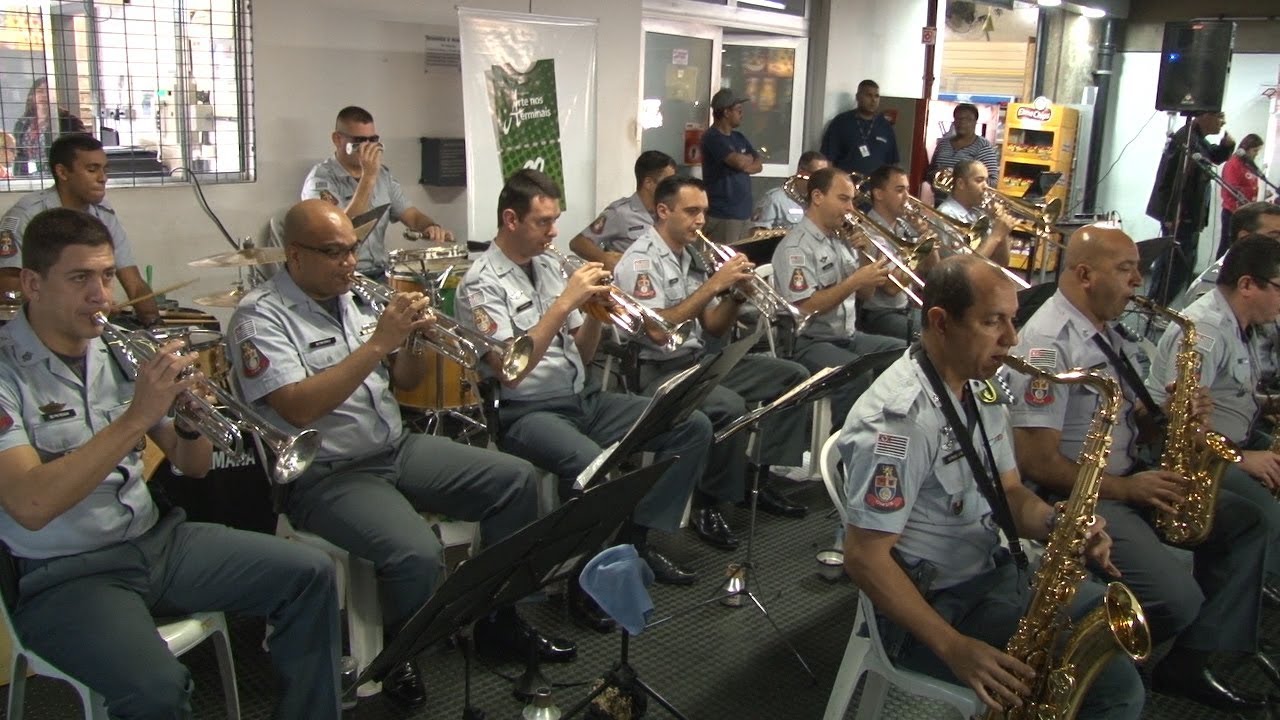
(180, 635)
(866, 654)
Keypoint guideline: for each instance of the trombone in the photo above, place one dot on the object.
(223, 427)
(1041, 216)
(761, 293)
(450, 338)
(958, 237)
(630, 316)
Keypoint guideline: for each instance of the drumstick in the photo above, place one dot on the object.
(148, 296)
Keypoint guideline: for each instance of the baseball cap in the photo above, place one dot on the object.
(725, 99)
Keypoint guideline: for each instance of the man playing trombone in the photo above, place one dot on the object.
(311, 357)
(662, 272)
(818, 271)
(888, 310)
(964, 205)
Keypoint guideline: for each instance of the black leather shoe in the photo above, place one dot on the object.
(1203, 687)
(664, 569)
(1268, 667)
(772, 502)
(505, 634)
(1271, 593)
(404, 685)
(710, 525)
(586, 612)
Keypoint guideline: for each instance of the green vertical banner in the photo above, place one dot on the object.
(526, 119)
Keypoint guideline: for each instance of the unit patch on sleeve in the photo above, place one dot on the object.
(252, 359)
(885, 493)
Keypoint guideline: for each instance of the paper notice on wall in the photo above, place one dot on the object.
(443, 52)
(526, 119)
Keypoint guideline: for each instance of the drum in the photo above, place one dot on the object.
(446, 384)
(209, 346)
(10, 305)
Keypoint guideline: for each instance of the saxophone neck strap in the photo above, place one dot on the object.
(987, 481)
(1130, 377)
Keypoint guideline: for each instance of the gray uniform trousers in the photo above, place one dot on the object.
(1242, 484)
(988, 608)
(756, 378)
(1215, 607)
(92, 614)
(816, 354)
(564, 435)
(370, 508)
(901, 323)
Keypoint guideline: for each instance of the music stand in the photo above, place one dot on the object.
(540, 553)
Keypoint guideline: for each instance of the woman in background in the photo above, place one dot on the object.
(1241, 174)
(7, 149)
(35, 130)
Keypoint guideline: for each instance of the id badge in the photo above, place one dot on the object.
(864, 150)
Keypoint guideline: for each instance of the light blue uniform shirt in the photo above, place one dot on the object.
(623, 222)
(808, 260)
(776, 209)
(14, 223)
(331, 182)
(652, 273)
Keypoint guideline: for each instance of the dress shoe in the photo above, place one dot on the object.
(710, 525)
(586, 612)
(1202, 687)
(664, 569)
(1268, 667)
(505, 634)
(772, 502)
(1271, 593)
(404, 685)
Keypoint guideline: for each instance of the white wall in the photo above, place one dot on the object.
(880, 41)
(311, 57)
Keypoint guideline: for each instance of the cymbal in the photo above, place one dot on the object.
(434, 259)
(241, 258)
(226, 299)
(761, 234)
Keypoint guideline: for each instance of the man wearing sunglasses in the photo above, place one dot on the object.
(355, 180)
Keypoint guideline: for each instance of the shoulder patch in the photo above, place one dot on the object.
(246, 329)
(252, 359)
(644, 287)
(1038, 394)
(483, 321)
(1043, 358)
(6, 420)
(597, 226)
(885, 493)
(8, 246)
(328, 197)
(1205, 343)
(894, 446)
(798, 282)
(641, 264)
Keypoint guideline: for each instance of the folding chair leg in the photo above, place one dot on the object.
(364, 619)
(851, 669)
(17, 686)
(95, 707)
(874, 692)
(227, 670)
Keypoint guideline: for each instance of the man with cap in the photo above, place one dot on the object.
(728, 161)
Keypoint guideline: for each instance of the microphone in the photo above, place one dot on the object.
(1200, 158)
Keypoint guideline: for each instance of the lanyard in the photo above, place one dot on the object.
(989, 485)
(1130, 377)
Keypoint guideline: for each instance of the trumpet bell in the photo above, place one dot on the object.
(516, 358)
(294, 455)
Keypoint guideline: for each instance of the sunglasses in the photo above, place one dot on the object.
(333, 252)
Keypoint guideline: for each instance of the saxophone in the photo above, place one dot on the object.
(1067, 659)
(1190, 450)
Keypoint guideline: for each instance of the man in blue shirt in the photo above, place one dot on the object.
(861, 139)
(728, 161)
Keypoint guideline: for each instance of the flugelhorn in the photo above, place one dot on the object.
(632, 317)
(1041, 216)
(759, 292)
(223, 427)
(450, 338)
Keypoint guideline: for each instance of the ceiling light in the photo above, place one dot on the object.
(1049, 3)
(1092, 12)
(771, 4)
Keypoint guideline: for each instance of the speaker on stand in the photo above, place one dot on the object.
(1194, 60)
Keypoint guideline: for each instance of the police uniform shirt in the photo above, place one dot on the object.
(1056, 338)
(497, 298)
(331, 182)
(906, 474)
(1228, 368)
(653, 274)
(880, 298)
(960, 213)
(776, 209)
(806, 261)
(620, 224)
(280, 336)
(14, 223)
(45, 405)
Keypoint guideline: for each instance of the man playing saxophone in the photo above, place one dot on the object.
(309, 356)
(922, 536)
(1214, 609)
(680, 289)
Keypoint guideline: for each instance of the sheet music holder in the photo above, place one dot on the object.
(673, 401)
(365, 222)
(1150, 249)
(540, 553)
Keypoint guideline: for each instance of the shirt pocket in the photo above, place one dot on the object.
(54, 438)
(1242, 378)
(957, 495)
(828, 271)
(319, 359)
(523, 312)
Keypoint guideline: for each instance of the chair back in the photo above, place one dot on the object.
(830, 465)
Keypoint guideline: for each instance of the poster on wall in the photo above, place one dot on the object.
(531, 105)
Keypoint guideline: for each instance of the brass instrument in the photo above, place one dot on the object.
(222, 424)
(759, 292)
(958, 237)
(1067, 659)
(630, 316)
(1191, 450)
(860, 230)
(1040, 216)
(450, 338)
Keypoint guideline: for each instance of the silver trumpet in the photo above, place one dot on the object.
(761, 293)
(632, 317)
(450, 338)
(224, 422)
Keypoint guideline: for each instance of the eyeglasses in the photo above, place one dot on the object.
(357, 139)
(333, 252)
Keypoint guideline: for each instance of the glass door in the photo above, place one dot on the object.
(769, 70)
(675, 105)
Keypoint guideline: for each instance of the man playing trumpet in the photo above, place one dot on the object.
(663, 273)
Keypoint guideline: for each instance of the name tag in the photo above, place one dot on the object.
(952, 457)
(58, 415)
(323, 343)
(828, 266)
(525, 306)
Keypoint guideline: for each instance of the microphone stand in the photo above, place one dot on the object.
(1179, 187)
(1213, 174)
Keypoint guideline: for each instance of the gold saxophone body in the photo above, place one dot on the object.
(1190, 449)
(1067, 656)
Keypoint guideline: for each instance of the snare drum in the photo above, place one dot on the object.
(209, 346)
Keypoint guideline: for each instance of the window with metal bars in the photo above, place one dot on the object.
(166, 85)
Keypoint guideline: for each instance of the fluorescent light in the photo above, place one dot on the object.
(1092, 12)
(1049, 3)
(771, 4)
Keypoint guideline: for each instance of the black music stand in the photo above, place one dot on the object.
(542, 552)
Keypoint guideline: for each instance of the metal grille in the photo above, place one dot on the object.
(164, 84)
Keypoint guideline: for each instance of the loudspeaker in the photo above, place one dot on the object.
(1193, 65)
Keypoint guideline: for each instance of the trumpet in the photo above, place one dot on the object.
(450, 338)
(959, 238)
(1041, 216)
(630, 316)
(761, 293)
(223, 427)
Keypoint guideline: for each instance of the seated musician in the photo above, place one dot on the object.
(816, 270)
(1213, 609)
(311, 357)
(776, 209)
(660, 271)
(96, 558)
(626, 219)
(888, 310)
(355, 179)
(550, 415)
(79, 167)
(1246, 296)
(965, 205)
(922, 535)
